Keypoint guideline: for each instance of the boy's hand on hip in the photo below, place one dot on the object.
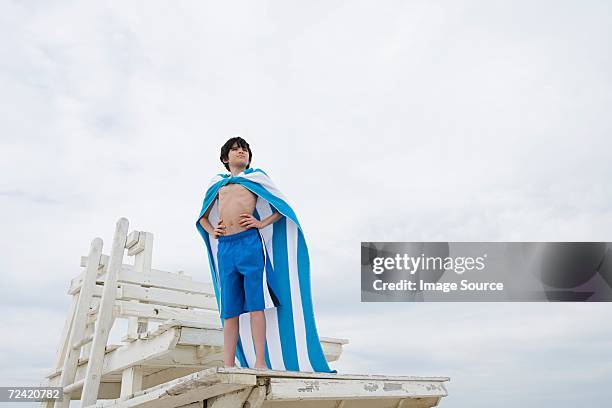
(219, 229)
(249, 221)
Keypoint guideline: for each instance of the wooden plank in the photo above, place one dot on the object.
(185, 390)
(207, 318)
(132, 377)
(139, 246)
(257, 397)
(194, 337)
(140, 352)
(168, 297)
(77, 330)
(161, 313)
(198, 387)
(89, 330)
(214, 337)
(132, 239)
(295, 389)
(103, 261)
(65, 336)
(333, 340)
(331, 351)
(108, 390)
(159, 296)
(191, 323)
(105, 315)
(199, 404)
(156, 278)
(164, 375)
(230, 399)
(131, 380)
(306, 374)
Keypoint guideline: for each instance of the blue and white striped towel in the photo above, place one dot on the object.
(292, 342)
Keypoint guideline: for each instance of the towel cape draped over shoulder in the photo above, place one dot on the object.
(292, 342)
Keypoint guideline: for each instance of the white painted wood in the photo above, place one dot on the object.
(105, 316)
(77, 329)
(185, 390)
(333, 340)
(257, 397)
(174, 322)
(156, 278)
(132, 239)
(196, 337)
(108, 390)
(89, 329)
(229, 400)
(143, 255)
(303, 374)
(93, 313)
(140, 351)
(103, 262)
(167, 297)
(65, 336)
(294, 389)
(185, 356)
(199, 404)
(138, 246)
(331, 349)
(214, 337)
(213, 383)
(71, 388)
(118, 358)
(131, 380)
(189, 336)
(197, 386)
(161, 313)
(82, 342)
(167, 374)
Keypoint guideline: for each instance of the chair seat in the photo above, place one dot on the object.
(176, 348)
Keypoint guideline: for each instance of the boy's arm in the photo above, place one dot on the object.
(204, 220)
(249, 221)
(271, 219)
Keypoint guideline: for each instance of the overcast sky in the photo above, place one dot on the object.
(379, 120)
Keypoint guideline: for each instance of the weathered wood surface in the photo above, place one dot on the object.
(233, 387)
(93, 374)
(185, 390)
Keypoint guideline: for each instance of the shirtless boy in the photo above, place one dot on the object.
(240, 254)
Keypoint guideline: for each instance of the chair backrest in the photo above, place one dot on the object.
(154, 295)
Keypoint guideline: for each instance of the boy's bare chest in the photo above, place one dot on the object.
(236, 194)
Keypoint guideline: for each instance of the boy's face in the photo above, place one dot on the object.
(238, 156)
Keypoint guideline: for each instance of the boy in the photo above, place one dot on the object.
(240, 253)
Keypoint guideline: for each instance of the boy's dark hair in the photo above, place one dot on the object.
(228, 145)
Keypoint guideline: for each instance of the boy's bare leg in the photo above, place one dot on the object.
(230, 340)
(258, 328)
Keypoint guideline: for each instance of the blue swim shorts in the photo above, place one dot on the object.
(241, 265)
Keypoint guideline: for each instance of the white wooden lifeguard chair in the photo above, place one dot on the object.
(179, 363)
